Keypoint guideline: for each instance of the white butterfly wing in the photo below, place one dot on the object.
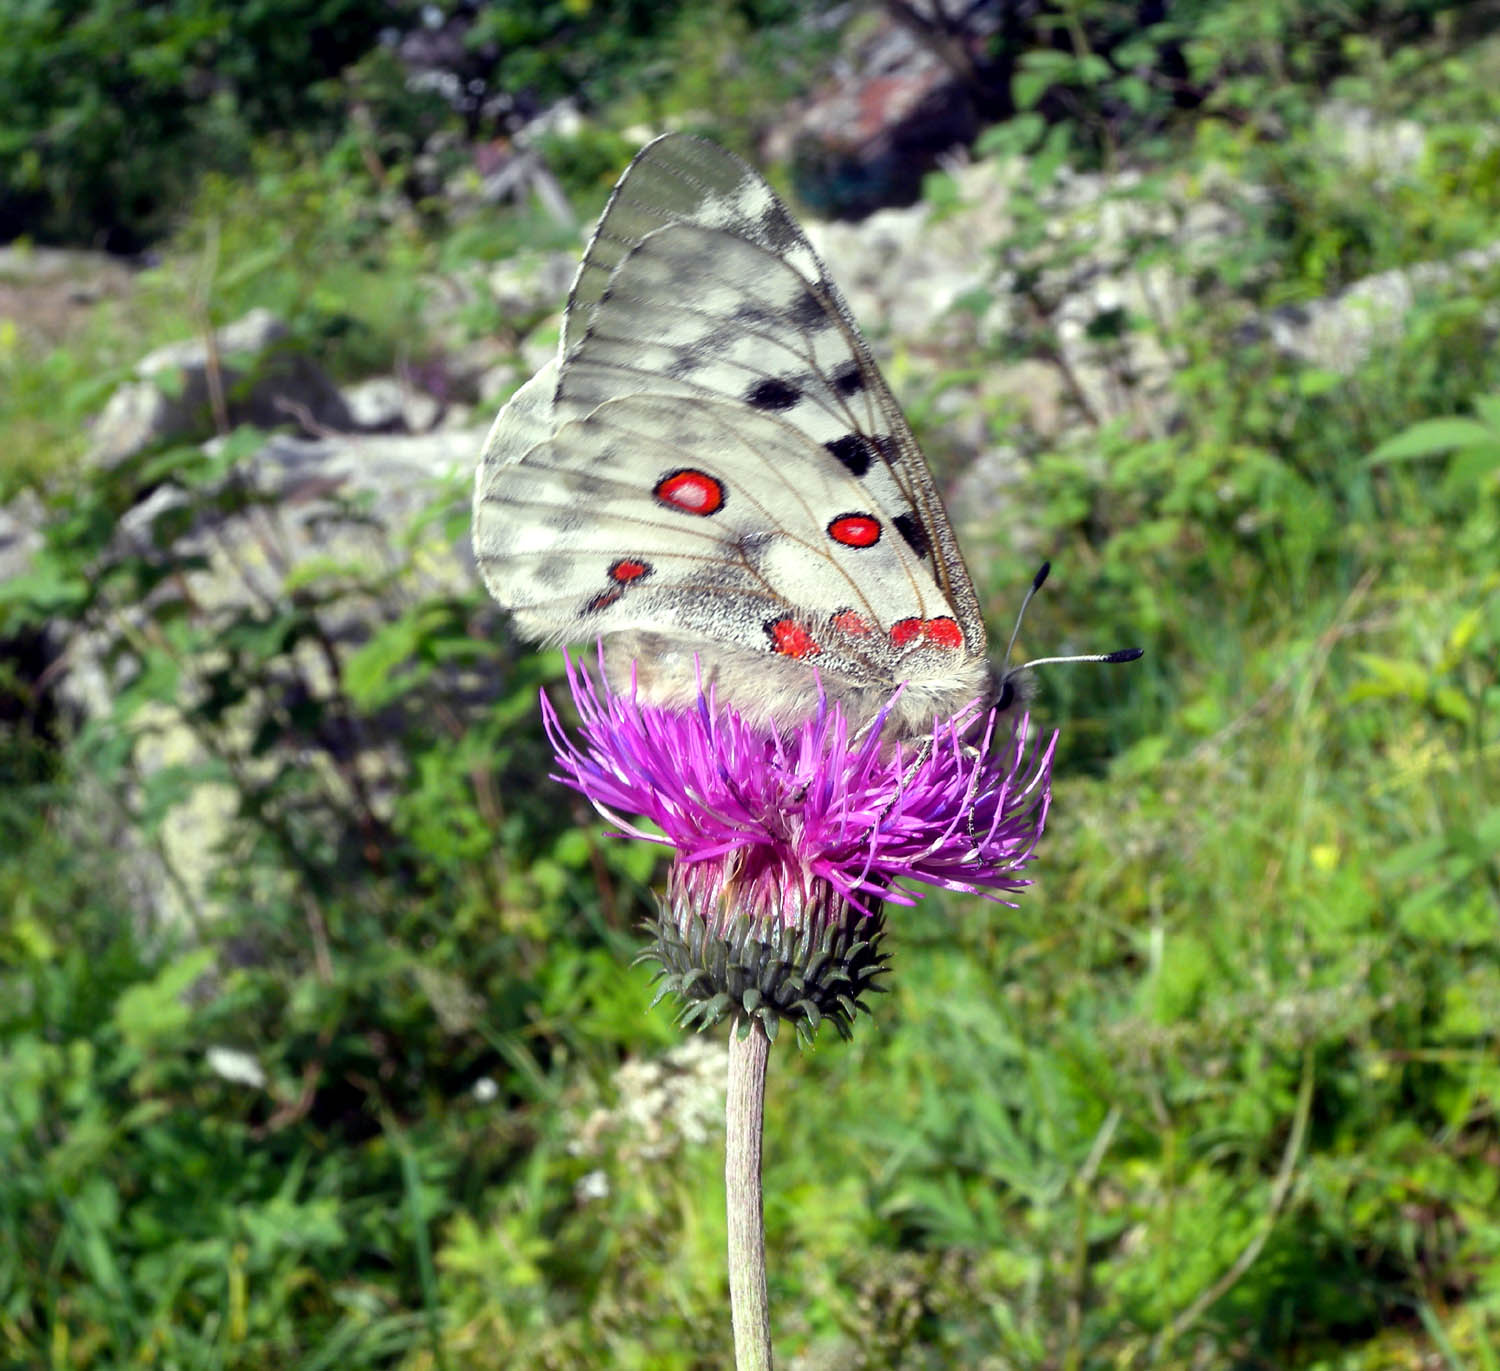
(715, 467)
(737, 299)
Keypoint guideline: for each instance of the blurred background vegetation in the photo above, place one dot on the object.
(381, 1091)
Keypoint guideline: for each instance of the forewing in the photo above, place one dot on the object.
(699, 284)
(679, 179)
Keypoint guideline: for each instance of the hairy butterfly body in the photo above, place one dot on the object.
(712, 476)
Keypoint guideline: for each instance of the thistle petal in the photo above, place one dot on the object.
(790, 844)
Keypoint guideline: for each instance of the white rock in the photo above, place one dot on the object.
(178, 390)
(376, 404)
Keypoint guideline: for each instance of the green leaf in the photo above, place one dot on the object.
(46, 590)
(1314, 382)
(1093, 70)
(1469, 467)
(1393, 677)
(1185, 970)
(157, 1010)
(573, 848)
(323, 568)
(1411, 858)
(1487, 830)
(1014, 136)
(1487, 407)
(1431, 437)
(1462, 633)
(1031, 83)
(252, 264)
(370, 674)
(1452, 703)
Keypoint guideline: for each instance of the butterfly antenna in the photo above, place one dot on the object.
(1008, 674)
(1036, 585)
(1124, 654)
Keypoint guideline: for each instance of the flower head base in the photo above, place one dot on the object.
(790, 843)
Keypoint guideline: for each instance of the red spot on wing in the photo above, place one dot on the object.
(628, 569)
(603, 600)
(693, 492)
(855, 530)
(850, 621)
(905, 632)
(791, 639)
(940, 632)
(944, 632)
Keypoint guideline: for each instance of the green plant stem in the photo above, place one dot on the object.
(1280, 1188)
(744, 1112)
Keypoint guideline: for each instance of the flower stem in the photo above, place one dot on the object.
(744, 1113)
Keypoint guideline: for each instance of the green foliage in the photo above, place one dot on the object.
(611, 49)
(311, 238)
(110, 110)
(110, 113)
(368, 955)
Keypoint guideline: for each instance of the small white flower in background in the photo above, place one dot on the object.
(594, 1186)
(239, 1068)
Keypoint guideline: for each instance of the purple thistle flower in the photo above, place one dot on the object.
(796, 839)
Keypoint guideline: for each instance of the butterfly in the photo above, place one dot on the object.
(713, 479)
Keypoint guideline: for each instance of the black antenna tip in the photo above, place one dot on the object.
(1036, 581)
(1126, 654)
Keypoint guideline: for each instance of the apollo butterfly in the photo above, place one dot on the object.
(712, 476)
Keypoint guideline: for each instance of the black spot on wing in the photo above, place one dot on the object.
(687, 362)
(553, 572)
(585, 483)
(849, 379)
(776, 229)
(698, 353)
(809, 313)
(773, 394)
(752, 315)
(915, 535)
(854, 452)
